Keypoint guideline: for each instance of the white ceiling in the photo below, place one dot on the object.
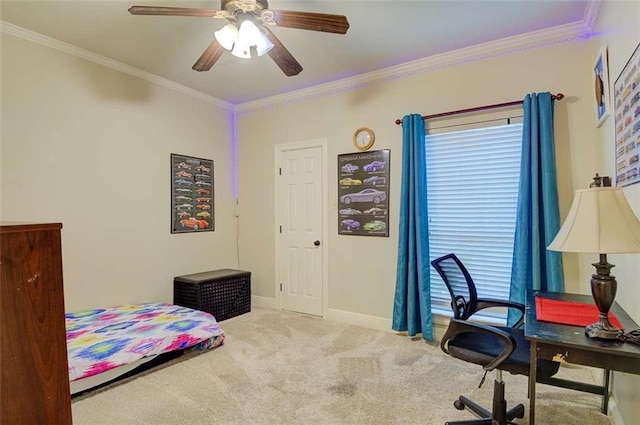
(382, 34)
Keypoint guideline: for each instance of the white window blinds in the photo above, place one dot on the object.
(472, 190)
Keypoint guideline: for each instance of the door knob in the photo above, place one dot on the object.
(317, 243)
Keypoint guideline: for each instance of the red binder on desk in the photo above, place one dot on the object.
(569, 312)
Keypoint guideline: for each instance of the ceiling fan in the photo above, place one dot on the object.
(253, 37)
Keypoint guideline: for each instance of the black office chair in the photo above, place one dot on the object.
(492, 347)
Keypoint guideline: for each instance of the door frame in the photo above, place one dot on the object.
(322, 144)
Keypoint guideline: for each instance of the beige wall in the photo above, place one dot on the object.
(362, 270)
(89, 146)
(619, 29)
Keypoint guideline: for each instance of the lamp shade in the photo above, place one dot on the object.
(600, 221)
(227, 36)
(263, 44)
(248, 36)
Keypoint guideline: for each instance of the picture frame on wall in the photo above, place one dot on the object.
(626, 94)
(601, 86)
(192, 194)
(363, 193)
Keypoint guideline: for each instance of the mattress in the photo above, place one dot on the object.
(91, 382)
(104, 339)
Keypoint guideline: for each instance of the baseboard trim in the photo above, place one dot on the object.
(358, 319)
(347, 317)
(614, 413)
(381, 323)
(263, 302)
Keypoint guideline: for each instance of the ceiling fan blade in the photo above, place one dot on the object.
(209, 57)
(282, 57)
(178, 11)
(311, 21)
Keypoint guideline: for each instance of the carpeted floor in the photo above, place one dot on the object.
(286, 368)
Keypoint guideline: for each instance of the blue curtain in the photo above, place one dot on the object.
(412, 303)
(538, 217)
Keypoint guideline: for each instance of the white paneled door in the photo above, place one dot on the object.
(300, 217)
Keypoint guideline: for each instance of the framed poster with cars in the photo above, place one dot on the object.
(363, 193)
(626, 91)
(192, 197)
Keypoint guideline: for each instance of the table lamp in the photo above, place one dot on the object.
(600, 221)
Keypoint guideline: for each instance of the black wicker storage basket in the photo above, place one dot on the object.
(223, 293)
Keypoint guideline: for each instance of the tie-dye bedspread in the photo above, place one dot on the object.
(102, 339)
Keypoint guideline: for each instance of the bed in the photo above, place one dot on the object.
(105, 343)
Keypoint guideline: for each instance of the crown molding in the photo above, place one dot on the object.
(17, 31)
(533, 40)
(592, 13)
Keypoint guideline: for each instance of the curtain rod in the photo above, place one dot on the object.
(558, 96)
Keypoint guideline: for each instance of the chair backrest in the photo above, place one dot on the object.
(464, 297)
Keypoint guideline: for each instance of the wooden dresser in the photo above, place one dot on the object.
(33, 350)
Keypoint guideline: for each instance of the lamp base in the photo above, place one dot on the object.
(602, 329)
(603, 289)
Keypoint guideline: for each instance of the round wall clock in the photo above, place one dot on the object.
(363, 138)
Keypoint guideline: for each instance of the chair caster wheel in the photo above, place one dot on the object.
(458, 405)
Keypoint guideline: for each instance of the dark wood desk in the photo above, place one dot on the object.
(570, 344)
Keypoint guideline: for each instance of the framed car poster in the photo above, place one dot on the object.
(363, 193)
(626, 91)
(192, 197)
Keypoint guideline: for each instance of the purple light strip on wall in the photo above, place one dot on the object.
(233, 136)
(427, 69)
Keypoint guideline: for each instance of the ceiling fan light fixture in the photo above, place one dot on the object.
(241, 50)
(227, 36)
(264, 44)
(250, 36)
(247, 35)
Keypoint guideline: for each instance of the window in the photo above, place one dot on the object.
(472, 191)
